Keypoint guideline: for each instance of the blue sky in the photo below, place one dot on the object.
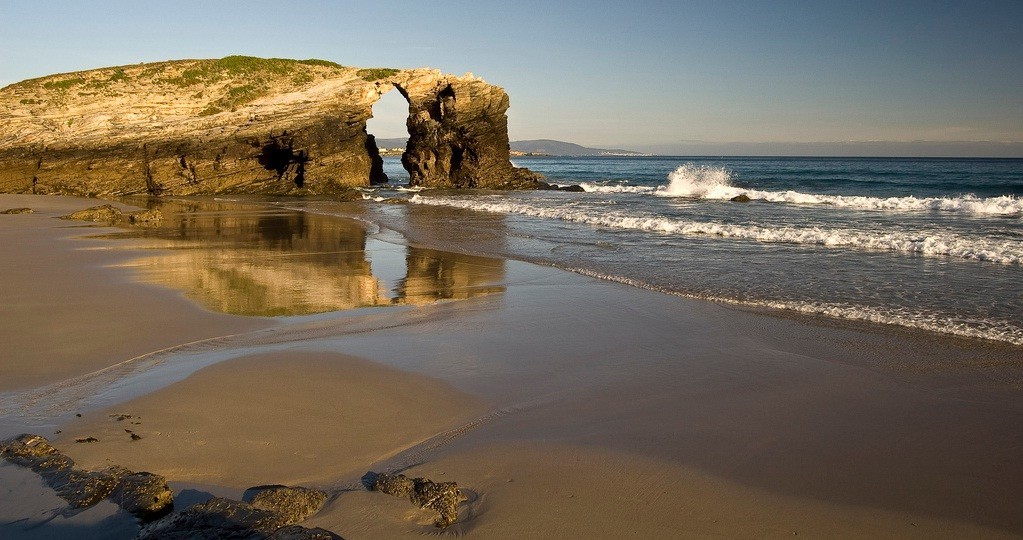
(647, 75)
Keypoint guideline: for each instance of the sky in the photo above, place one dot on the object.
(813, 77)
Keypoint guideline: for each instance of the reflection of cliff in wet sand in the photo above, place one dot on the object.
(269, 261)
(437, 275)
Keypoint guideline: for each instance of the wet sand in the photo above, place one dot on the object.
(64, 314)
(570, 407)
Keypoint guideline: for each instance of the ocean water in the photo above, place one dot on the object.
(935, 244)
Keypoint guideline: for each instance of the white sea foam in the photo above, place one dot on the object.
(707, 182)
(616, 188)
(934, 243)
(992, 330)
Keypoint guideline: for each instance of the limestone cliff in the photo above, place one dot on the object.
(245, 125)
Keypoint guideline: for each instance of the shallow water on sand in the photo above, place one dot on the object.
(262, 258)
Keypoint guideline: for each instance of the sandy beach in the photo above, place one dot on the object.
(308, 349)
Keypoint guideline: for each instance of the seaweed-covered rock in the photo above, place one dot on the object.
(146, 218)
(145, 495)
(294, 503)
(742, 197)
(17, 211)
(83, 489)
(220, 518)
(398, 485)
(100, 214)
(441, 497)
(298, 532)
(36, 453)
(112, 215)
(215, 519)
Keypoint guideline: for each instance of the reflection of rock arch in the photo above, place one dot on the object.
(254, 260)
(434, 275)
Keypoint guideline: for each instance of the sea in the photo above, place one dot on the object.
(925, 243)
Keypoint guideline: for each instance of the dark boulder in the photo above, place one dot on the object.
(741, 198)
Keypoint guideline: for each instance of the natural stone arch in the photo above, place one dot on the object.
(150, 129)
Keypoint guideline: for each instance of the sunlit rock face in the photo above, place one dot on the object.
(458, 133)
(244, 125)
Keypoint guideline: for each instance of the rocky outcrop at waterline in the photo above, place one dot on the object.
(269, 511)
(143, 494)
(274, 518)
(441, 497)
(245, 125)
(111, 215)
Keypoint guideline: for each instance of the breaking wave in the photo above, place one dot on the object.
(616, 188)
(715, 183)
(928, 243)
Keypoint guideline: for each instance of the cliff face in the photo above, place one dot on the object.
(458, 132)
(244, 125)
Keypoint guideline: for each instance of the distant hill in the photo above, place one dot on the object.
(398, 142)
(545, 147)
(561, 148)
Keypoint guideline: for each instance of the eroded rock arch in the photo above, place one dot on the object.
(152, 129)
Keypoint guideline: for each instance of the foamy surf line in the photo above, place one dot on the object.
(926, 243)
(715, 183)
(990, 330)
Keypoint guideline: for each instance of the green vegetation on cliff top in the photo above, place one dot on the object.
(231, 81)
(212, 71)
(370, 75)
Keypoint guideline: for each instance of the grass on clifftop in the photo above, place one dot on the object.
(229, 82)
(373, 74)
(213, 71)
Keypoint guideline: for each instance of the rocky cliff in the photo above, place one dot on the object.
(245, 125)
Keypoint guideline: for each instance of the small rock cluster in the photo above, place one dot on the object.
(443, 497)
(267, 512)
(17, 211)
(272, 514)
(143, 494)
(112, 215)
